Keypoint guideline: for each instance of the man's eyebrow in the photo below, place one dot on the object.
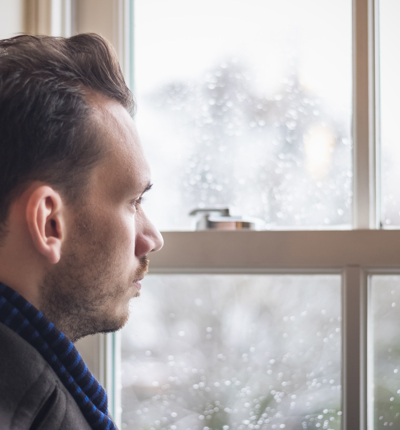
(148, 188)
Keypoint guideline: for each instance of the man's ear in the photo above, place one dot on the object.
(45, 219)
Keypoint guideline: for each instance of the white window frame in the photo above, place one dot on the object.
(356, 254)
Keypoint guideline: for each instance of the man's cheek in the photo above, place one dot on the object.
(127, 242)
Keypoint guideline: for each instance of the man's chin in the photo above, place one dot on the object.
(105, 327)
(119, 322)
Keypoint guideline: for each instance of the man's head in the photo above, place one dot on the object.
(73, 237)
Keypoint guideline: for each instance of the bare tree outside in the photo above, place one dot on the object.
(283, 159)
(247, 106)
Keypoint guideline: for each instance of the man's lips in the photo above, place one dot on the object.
(141, 272)
(138, 283)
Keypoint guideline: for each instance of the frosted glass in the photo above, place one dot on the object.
(389, 100)
(385, 300)
(246, 104)
(233, 352)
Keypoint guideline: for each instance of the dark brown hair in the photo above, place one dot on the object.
(45, 120)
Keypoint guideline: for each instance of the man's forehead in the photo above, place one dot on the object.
(115, 127)
(109, 115)
(124, 163)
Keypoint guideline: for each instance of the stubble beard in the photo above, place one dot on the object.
(78, 293)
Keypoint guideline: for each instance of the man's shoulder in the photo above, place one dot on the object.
(30, 391)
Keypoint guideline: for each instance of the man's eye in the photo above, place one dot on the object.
(138, 202)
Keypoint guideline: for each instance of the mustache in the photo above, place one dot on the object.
(143, 268)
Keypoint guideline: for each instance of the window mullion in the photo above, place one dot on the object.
(365, 211)
(355, 369)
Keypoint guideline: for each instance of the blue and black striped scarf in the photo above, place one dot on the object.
(24, 319)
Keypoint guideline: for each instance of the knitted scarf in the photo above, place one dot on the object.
(24, 319)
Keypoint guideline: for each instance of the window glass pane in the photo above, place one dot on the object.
(385, 325)
(233, 352)
(246, 104)
(389, 100)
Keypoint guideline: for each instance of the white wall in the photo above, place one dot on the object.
(97, 16)
(11, 18)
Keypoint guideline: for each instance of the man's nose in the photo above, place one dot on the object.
(148, 238)
(158, 240)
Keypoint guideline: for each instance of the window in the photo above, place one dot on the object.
(253, 106)
(389, 68)
(358, 197)
(234, 351)
(385, 362)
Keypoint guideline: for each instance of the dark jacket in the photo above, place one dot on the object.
(32, 397)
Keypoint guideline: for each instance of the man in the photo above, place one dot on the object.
(74, 239)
